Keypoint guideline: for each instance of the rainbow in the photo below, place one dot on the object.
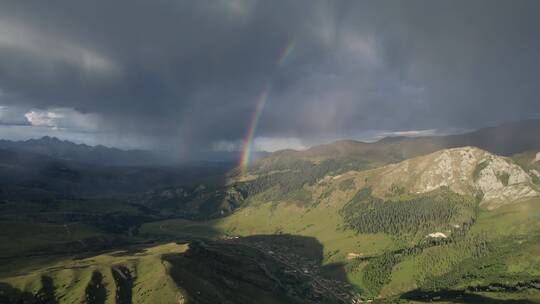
(262, 98)
(247, 145)
(285, 53)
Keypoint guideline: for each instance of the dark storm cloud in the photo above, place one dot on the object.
(187, 73)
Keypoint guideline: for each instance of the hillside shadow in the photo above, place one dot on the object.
(270, 268)
(46, 292)
(10, 294)
(79, 229)
(456, 296)
(45, 295)
(306, 249)
(124, 281)
(260, 268)
(95, 292)
(254, 269)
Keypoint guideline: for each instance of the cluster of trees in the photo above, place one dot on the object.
(288, 177)
(347, 184)
(466, 259)
(378, 272)
(435, 264)
(438, 261)
(462, 257)
(278, 164)
(422, 213)
(292, 164)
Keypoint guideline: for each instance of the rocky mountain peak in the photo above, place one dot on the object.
(465, 170)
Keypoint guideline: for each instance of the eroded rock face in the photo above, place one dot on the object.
(537, 158)
(502, 181)
(467, 170)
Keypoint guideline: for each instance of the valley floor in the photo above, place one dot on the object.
(276, 253)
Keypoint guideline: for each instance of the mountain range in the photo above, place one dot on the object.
(506, 140)
(450, 219)
(69, 151)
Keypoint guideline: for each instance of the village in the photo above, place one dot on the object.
(305, 268)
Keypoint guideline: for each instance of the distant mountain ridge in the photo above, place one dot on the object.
(66, 150)
(506, 140)
(110, 156)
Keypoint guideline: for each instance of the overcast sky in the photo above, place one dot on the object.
(184, 76)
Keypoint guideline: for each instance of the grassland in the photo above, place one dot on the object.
(409, 262)
(323, 222)
(201, 272)
(106, 251)
(511, 235)
(71, 280)
(33, 238)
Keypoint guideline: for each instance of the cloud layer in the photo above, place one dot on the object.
(185, 75)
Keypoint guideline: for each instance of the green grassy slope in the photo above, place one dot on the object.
(234, 271)
(381, 261)
(308, 232)
(97, 279)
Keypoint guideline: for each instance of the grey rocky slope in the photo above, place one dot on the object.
(467, 170)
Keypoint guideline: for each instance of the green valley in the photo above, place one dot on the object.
(441, 227)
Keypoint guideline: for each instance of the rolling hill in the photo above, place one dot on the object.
(506, 139)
